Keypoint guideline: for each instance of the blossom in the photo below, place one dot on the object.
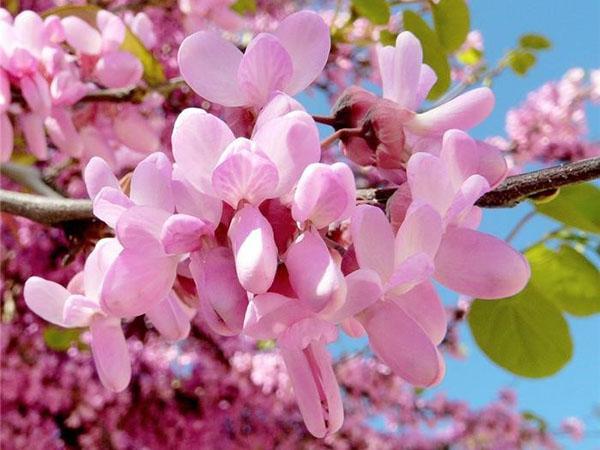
(278, 61)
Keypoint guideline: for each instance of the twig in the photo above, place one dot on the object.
(135, 95)
(340, 134)
(517, 188)
(514, 190)
(29, 177)
(44, 210)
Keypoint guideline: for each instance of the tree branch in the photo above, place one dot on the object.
(512, 191)
(44, 210)
(28, 177)
(517, 188)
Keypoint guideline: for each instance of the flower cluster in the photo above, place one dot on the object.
(49, 65)
(551, 125)
(263, 239)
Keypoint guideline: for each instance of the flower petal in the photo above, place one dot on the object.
(401, 343)
(181, 233)
(118, 69)
(6, 138)
(151, 183)
(266, 68)
(430, 182)
(81, 36)
(462, 112)
(254, 249)
(314, 275)
(223, 300)
(133, 130)
(198, 141)
(373, 240)
(209, 64)
(291, 142)
(189, 200)
(480, 265)
(79, 310)
(109, 204)
(97, 264)
(136, 282)
(97, 175)
(363, 289)
(268, 315)
(171, 318)
(111, 356)
(400, 71)
(421, 231)
(46, 299)
(308, 60)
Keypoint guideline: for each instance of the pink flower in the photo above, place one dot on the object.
(574, 427)
(66, 308)
(280, 61)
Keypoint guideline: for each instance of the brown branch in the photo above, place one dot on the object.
(44, 210)
(29, 177)
(512, 191)
(517, 188)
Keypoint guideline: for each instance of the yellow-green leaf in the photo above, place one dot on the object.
(153, 71)
(470, 57)
(60, 339)
(377, 11)
(520, 61)
(526, 334)
(244, 6)
(567, 278)
(433, 53)
(534, 41)
(577, 206)
(452, 23)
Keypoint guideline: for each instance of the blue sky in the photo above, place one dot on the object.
(573, 28)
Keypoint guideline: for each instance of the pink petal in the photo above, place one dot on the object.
(95, 145)
(492, 164)
(189, 200)
(470, 191)
(353, 327)
(171, 318)
(363, 289)
(291, 142)
(373, 240)
(480, 265)
(6, 138)
(266, 68)
(151, 183)
(109, 204)
(36, 91)
(216, 81)
(423, 304)
(198, 141)
(316, 389)
(268, 315)
(133, 130)
(97, 264)
(243, 173)
(29, 29)
(63, 133)
(81, 36)
(118, 69)
(401, 70)
(136, 282)
(112, 29)
(430, 182)
(78, 311)
(402, 344)
(308, 60)
(53, 29)
(254, 248)
(324, 194)
(223, 300)
(110, 353)
(97, 175)
(279, 105)
(33, 128)
(46, 299)
(76, 284)
(181, 233)
(421, 231)
(412, 271)
(426, 81)
(5, 95)
(462, 112)
(140, 228)
(314, 275)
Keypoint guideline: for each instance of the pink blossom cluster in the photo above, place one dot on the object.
(52, 64)
(262, 239)
(551, 125)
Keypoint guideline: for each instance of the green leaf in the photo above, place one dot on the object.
(576, 206)
(470, 57)
(520, 61)
(452, 23)
(567, 278)
(534, 41)
(525, 334)
(153, 71)
(533, 417)
(244, 6)
(387, 37)
(377, 11)
(433, 53)
(60, 339)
